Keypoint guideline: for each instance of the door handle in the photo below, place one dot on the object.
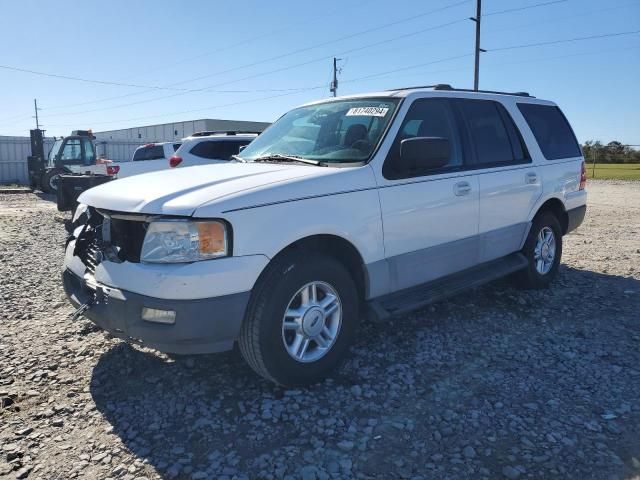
(531, 177)
(462, 188)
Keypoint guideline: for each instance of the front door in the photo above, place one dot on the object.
(430, 218)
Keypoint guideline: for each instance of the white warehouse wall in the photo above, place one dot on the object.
(169, 132)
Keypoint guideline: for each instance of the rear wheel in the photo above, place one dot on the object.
(301, 319)
(543, 250)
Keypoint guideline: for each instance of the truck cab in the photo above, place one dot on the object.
(73, 154)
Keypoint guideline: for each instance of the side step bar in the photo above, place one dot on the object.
(417, 297)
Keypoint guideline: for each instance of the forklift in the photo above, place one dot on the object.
(70, 168)
(73, 154)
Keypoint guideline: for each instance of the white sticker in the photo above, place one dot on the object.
(367, 112)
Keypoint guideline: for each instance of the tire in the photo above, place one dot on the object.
(265, 342)
(541, 270)
(50, 181)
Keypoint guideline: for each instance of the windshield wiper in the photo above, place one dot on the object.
(238, 158)
(276, 157)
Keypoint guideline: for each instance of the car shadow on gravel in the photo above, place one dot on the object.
(497, 380)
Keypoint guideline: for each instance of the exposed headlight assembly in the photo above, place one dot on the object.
(183, 241)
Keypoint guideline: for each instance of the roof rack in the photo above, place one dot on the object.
(206, 133)
(447, 87)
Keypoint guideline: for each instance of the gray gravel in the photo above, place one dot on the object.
(496, 383)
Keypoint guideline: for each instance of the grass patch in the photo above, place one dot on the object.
(614, 171)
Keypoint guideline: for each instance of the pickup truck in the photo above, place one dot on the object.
(351, 208)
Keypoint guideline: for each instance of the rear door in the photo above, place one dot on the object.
(509, 182)
(430, 218)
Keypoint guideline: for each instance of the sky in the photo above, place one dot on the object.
(162, 61)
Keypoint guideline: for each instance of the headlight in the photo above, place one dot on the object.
(181, 241)
(80, 209)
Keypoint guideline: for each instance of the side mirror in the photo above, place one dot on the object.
(424, 153)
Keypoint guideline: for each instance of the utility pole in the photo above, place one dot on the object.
(476, 19)
(334, 83)
(35, 105)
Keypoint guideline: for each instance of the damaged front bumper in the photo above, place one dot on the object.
(205, 325)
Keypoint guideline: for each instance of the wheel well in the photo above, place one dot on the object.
(556, 207)
(338, 248)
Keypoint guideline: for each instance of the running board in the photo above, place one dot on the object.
(413, 298)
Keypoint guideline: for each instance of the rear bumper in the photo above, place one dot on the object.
(575, 217)
(203, 325)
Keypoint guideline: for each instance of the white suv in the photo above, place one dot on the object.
(382, 202)
(204, 148)
(146, 158)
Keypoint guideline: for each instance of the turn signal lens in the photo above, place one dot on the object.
(213, 239)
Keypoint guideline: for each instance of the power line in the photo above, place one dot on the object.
(183, 91)
(526, 7)
(554, 42)
(151, 87)
(277, 70)
(246, 41)
(294, 52)
(590, 53)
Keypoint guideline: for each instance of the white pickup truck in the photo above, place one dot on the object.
(377, 203)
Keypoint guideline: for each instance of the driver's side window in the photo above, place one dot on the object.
(432, 117)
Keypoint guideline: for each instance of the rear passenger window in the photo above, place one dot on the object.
(552, 131)
(495, 138)
(154, 152)
(425, 118)
(218, 150)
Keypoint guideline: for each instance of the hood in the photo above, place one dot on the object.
(181, 191)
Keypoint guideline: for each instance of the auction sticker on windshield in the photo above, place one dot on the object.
(367, 111)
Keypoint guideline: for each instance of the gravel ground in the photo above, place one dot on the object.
(497, 383)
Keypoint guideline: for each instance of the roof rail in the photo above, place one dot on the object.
(206, 133)
(437, 86)
(447, 87)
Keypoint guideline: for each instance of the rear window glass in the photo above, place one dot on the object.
(176, 146)
(219, 149)
(149, 153)
(552, 131)
(491, 137)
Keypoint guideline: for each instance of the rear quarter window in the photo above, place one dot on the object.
(148, 153)
(551, 130)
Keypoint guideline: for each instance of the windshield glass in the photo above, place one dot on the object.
(54, 151)
(342, 131)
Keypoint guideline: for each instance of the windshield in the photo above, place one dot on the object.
(342, 131)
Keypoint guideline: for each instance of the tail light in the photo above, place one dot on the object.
(583, 177)
(175, 161)
(113, 169)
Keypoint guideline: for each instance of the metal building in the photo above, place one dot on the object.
(169, 132)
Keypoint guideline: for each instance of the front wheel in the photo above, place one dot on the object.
(50, 181)
(301, 319)
(543, 250)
